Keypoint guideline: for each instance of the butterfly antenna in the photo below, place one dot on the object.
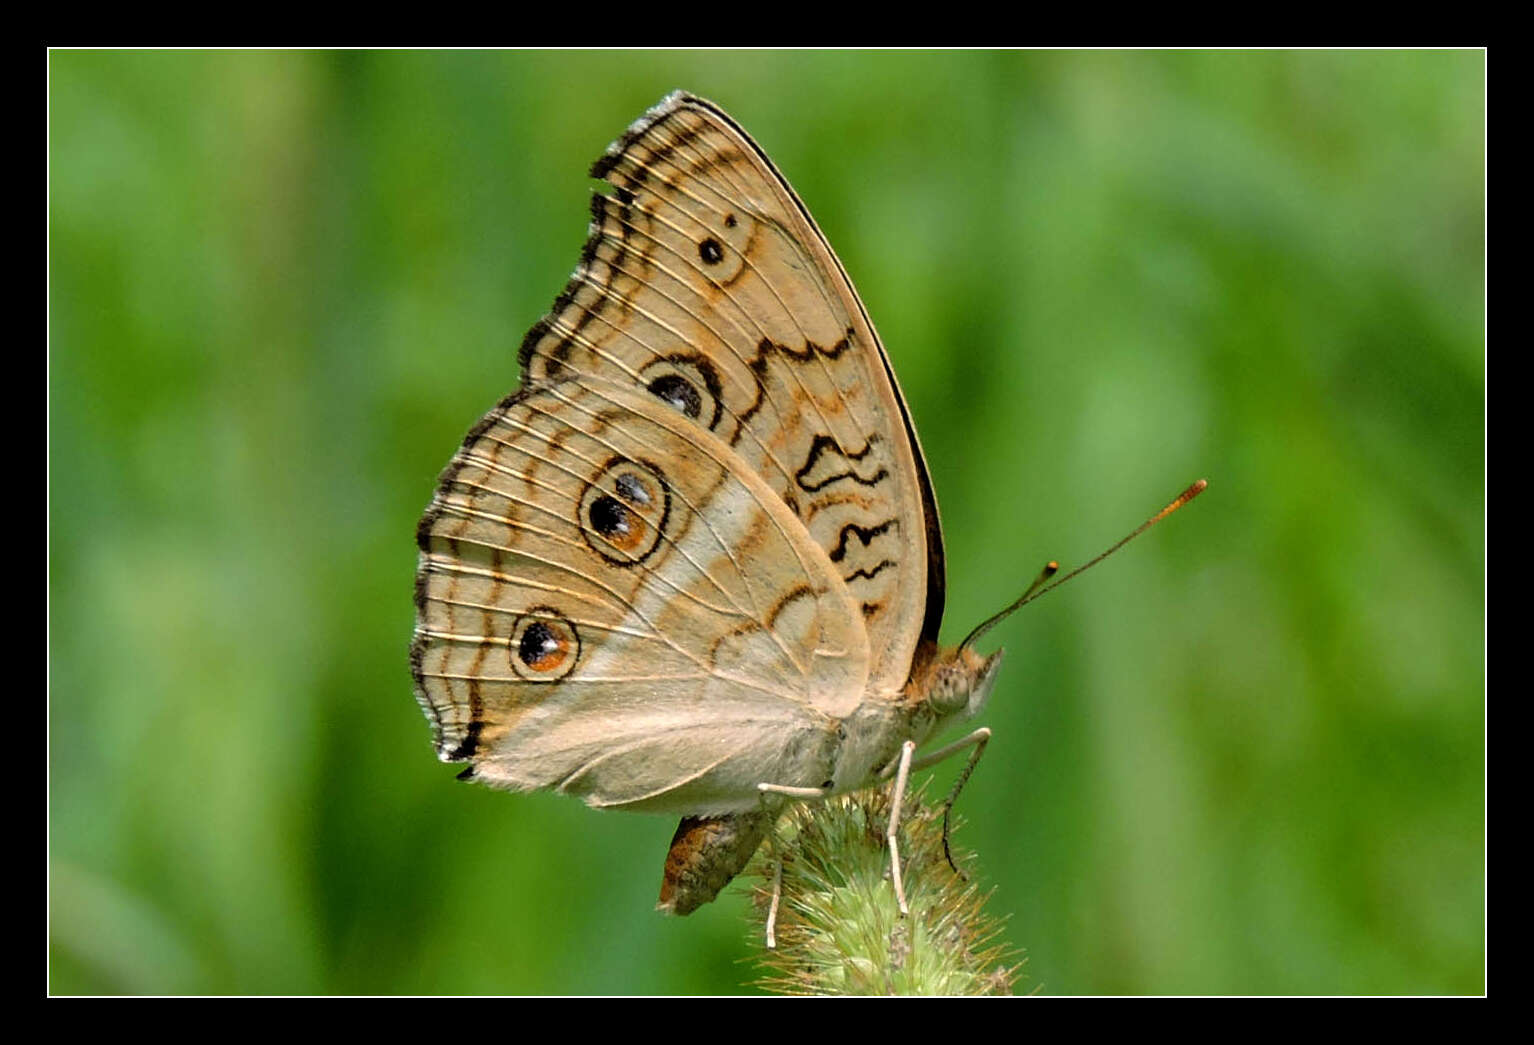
(1041, 585)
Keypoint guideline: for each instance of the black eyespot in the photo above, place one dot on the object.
(678, 392)
(611, 519)
(710, 251)
(688, 382)
(729, 220)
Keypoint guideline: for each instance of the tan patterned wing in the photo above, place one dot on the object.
(706, 284)
(610, 602)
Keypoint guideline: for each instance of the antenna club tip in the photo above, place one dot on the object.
(1187, 495)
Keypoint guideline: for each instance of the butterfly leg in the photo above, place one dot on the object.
(977, 740)
(762, 791)
(793, 792)
(777, 895)
(902, 777)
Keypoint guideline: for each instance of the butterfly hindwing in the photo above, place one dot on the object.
(612, 603)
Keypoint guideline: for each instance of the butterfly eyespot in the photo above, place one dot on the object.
(623, 511)
(710, 251)
(729, 220)
(688, 383)
(678, 392)
(544, 645)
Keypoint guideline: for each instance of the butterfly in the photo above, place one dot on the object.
(693, 565)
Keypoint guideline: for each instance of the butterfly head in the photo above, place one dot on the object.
(962, 680)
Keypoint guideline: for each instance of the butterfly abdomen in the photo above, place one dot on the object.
(705, 854)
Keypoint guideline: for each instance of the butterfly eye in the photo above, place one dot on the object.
(624, 511)
(688, 383)
(544, 645)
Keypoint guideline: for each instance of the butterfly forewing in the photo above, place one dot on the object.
(705, 284)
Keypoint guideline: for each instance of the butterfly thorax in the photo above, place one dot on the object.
(945, 688)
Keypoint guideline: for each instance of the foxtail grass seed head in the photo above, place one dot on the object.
(839, 928)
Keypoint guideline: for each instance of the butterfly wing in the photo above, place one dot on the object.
(610, 602)
(706, 284)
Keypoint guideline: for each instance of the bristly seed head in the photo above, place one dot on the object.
(839, 930)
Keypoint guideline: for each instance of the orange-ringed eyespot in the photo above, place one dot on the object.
(544, 645)
(623, 511)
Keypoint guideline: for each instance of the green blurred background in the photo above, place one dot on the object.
(1247, 755)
